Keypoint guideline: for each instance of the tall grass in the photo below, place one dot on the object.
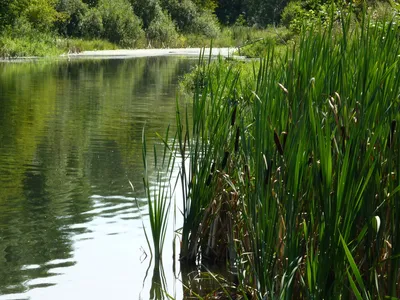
(159, 192)
(291, 173)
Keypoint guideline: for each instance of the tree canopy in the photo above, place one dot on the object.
(66, 15)
(125, 21)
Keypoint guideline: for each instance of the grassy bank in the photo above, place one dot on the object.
(290, 167)
(35, 43)
(48, 46)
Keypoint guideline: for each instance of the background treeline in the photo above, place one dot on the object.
(37, 26)
(125, 22)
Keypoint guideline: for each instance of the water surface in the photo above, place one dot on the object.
(70, 141)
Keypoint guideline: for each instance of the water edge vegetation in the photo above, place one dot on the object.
(52, 27)
(290, 167)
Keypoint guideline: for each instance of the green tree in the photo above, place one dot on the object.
(91, 25)
(42, 14)
(91, 3)
(120, 24)
(145, 10)
(182, 12)
(190, 18)
(206, 23)
(262, 13)
(206, 4)
(10, 10)
(6, 15)
(71, 15)
(228, 11)
(162, 30)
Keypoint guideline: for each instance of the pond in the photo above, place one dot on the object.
(70, 142)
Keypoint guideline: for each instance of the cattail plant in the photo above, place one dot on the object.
(291, 166)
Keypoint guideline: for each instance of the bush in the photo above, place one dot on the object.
(92, 24)
(162, 31)
(299, 14)
(207, 24)
(295, 15)
(22, 39)
(190, 19)
(41, 14)
(120, 24)
(291, 12)
(182, 12)
(21, 28)
(71, 13)
(385, 12)
(145, 10)
(257, 49)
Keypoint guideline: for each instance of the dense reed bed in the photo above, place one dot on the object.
(290, 172)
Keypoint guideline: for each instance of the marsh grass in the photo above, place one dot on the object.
(290, 171)
(41, 45)
(47, 45)
(79, 45)
(156, 181)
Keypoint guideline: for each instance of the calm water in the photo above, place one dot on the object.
(70, 140)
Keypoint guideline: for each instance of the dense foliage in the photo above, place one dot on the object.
(62, 14)
(157, 23)
(290, 168)
(123, 22)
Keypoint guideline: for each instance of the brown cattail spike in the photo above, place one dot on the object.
(208, 182)
(391, 134)
(247, 171)
(237, 139)
(233, 119)
(210, 176)
(278, 143)
(343, 132)
(225, 160)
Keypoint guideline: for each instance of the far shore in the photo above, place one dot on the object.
(131, 53)
(151, 52)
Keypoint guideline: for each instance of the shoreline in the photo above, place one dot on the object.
(125, 53)
(130, 53)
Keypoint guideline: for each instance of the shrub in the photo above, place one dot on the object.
(294, 16)
(291, 12)
(162, 29)
(190, 19)
(120, 24)
(41, 14)
(146, 10)
(257, 49)
(22, 39)
(261, 13)
(91, 3)
(71, 13)
(385, 12)
(21, 28)
(306, 13)
(182, 12)
(92, 24)
(205, 23)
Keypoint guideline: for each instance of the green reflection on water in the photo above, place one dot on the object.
(71, 130)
